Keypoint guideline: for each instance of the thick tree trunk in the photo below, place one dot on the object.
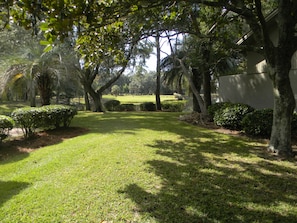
(207, 88)
(284, 105)
(87, 101)
(44, 84)
(97, 99)
(98, 102)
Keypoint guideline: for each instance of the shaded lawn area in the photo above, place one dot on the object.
(147, 167)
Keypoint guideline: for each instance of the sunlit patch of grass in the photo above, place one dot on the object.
(148, 167)
(7, 107)
(137, 99)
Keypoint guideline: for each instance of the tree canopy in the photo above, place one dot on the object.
(107, 28)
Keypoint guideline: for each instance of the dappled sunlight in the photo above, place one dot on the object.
(217, 179)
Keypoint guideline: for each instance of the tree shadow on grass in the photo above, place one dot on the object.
(19, 148)
(203, 183)
(8, 189)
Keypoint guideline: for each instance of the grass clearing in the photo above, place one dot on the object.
(138, 99)
(147, 167)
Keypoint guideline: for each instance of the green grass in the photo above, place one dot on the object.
(137, 99)
(7, 107)
(147, 167)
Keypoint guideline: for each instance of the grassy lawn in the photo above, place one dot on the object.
(147, 167)
(137, 99)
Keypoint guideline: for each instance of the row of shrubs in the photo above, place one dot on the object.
(29, 119)
(242, 117)
(115, 105)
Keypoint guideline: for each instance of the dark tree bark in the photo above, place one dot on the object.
(278, 58)
(207, 88)
(197, 79)
(44, 84)
(87, 101)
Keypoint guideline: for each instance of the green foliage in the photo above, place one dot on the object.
(212, 109)
(6, 124)
(148, 106)
(173, 107)
(45, 117)
(258, 123)
(230, 117)
(112, 105)
(126, 107)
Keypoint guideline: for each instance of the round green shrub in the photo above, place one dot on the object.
(258, 123)
(212, 109)
(112, 105)
(230, 117)
(6, 124)
(148, 106)
(45, 117)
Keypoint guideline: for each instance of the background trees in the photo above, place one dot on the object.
(29, 68)
(101, 22)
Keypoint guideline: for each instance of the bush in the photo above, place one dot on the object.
(6, 124)
(112, 105)
(212, 109)
(230, 117)
(258, 123)
(148, 106)
(126, 107)
(46, 117)
(173, 107)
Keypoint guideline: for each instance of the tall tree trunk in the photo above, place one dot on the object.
(98, 102)
(207, 88)
(97, 98)
(87, 101)
(206, 73)
(284, 105)
(158, 78)
(44, 84)
(189, 75)
(197, 82)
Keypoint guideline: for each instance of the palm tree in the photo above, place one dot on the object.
(196, 62)
(38, 70)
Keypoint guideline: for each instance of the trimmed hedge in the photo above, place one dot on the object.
(6, 124)
(112, 105)
(230, 117)
(46, 117)
(173, 107)
(259, 123)
(212, 109)
(148, 106)
(126, 107)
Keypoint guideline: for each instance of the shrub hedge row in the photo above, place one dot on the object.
(230, 116)
(236, 116)
(46, 117)
(6, 124)
(115, 105)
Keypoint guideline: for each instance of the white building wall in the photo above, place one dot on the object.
(255, 87)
